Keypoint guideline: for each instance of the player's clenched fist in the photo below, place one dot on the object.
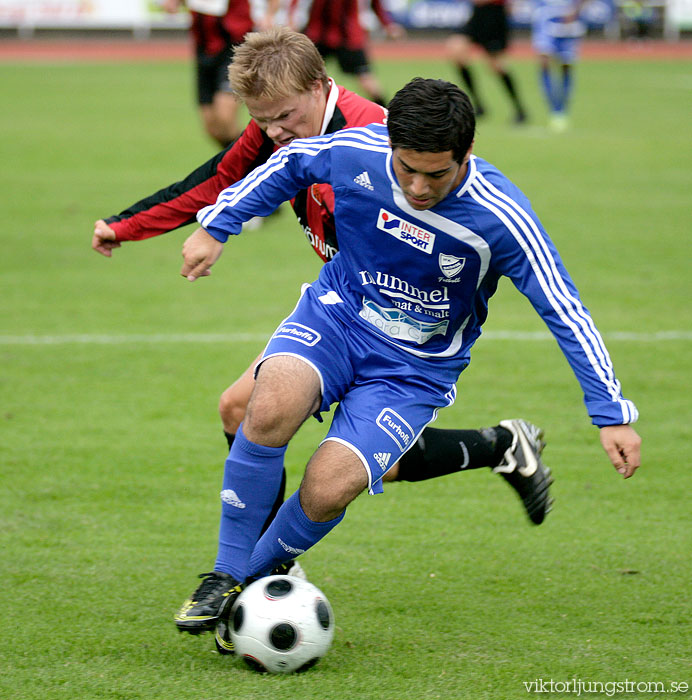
(200, 252)
(104, 240)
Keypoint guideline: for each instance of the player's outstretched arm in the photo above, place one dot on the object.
(104, 239)
(622, 444)
(200, 252)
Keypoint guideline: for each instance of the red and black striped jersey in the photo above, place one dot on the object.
(338, 23)
(212, 34)
(177, 204)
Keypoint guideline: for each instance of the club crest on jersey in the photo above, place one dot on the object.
(299, 332)
(396, 427)
(451, 266)
(405, 231)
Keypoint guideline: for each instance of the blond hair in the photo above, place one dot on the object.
(275, 64)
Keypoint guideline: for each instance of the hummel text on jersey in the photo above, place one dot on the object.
(364, 180)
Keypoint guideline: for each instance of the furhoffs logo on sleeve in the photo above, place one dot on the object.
(297, 331)
(405, 231)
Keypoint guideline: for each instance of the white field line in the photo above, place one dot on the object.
(158, 338)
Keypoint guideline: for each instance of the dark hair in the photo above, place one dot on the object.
(433, 116)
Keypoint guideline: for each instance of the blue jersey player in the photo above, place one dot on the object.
(425, 232)
(556, 33)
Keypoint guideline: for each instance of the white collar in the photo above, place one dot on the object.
(332, 97)
(470, 175)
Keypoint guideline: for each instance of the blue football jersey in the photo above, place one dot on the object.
(555, 18)
(420, 280)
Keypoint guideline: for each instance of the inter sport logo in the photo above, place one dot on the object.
(405, 231)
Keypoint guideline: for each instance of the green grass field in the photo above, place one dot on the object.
(112, 449)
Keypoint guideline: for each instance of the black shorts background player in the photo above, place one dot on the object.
(215, 36)
(488, 28)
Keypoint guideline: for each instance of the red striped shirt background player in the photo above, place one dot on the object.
(338, 29)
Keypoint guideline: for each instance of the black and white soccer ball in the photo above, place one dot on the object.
(281, 624)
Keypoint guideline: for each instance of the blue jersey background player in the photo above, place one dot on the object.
(556, 33)
(426, 230)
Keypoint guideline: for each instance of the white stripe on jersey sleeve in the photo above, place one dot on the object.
(362, 139)
(569, 309)
(586, 320)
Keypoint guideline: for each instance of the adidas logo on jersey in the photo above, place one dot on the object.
(363, 180)
(382, 458)
(231, 497)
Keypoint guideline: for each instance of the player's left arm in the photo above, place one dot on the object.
(573, 14)
(391, 28)
(526, 254)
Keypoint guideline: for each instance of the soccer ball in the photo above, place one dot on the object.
(281, 624)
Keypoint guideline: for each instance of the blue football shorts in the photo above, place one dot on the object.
(386, 397)
(566, 49)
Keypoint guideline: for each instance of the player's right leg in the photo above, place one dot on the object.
(220, 118)
(440, 452)
(498, 63)
(523, 468)
(234, 400)
(460, 51)
(232, 407)
(218, 108)
(355, 62)
(286, 393)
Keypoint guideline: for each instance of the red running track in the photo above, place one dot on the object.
(70, 50)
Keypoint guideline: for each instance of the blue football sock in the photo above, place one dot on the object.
(251, 481)
(566, 88)
(548, 90)
(289, 535)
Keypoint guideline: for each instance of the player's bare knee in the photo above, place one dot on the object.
(333, 478)
(286, 393)
(267, 424)
(458, 49)
(231, 411)
(321, 503)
